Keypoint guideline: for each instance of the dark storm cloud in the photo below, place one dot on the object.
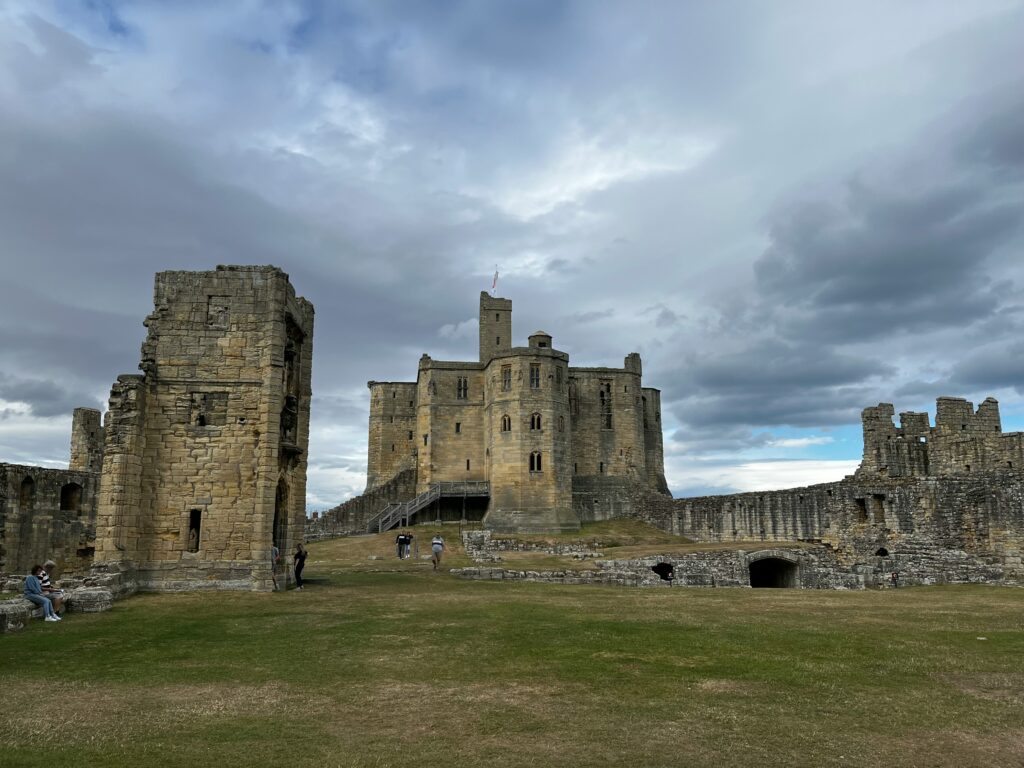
(998, 366)
(896, 254)
(772, 384)
(387, 155)
(909, 246)
(45, 398)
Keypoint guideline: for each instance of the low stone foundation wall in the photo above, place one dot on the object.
(807, 567)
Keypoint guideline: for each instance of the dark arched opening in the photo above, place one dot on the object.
(882, 552)
(27, 495)
(773, 572)
(280, 513)
(71, 497)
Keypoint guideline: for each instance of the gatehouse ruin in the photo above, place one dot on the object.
(200, 466)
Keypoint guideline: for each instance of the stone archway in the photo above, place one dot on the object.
(774, 570)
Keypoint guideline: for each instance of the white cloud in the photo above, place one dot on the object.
(800, 442)
(758, 475)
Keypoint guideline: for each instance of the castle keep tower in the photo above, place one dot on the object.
(547, 441)
(204, 468)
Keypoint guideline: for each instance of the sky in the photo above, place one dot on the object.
(791, 210)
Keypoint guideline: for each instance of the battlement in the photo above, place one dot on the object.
(963, 440)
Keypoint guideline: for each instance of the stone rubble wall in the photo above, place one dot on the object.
(818, 567)
(46, 514)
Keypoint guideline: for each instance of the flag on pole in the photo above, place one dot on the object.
(494, 283)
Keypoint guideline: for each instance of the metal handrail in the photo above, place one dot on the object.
(395, 511)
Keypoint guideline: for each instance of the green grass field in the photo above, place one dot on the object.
(386, 663)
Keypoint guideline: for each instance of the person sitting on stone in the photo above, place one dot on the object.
(54, 595)
(34, 593)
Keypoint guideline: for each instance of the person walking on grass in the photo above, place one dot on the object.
(34, 593)
(437, 545)
(300, 563)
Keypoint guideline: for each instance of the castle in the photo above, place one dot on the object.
(200, 467)
(519, 427)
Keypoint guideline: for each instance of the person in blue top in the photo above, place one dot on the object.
(34, 593)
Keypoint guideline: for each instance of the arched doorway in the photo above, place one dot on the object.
(773, 572)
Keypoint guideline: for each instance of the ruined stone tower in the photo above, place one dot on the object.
(204, 467)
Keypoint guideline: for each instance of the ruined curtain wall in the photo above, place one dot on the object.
(46, 514)
(932, 522)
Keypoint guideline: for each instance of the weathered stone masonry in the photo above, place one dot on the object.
(205, 458)
(520, 419)
(943, 503)
(50, 513)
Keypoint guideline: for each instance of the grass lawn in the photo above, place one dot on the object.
(386, 663)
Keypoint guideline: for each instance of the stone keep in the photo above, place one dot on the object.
(522, 420)
(204, 467)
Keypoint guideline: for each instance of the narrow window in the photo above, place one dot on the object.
(506, 423)
(392, 447)
(497, 317)
(497, 341)
(644, 401)
(195, 521)
(575, 468)
(393, 394)
(506, 378)
(600, 468)
(561, 423)
(391, 419)
(534, 375)
(605, 396)
(467, 465)
(535, 465)
(558, 377)
(535, 421)
(410, 434)
(462, 388)
(458, 427)
(425, 439)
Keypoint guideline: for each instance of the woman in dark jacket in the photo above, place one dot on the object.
(300, 563)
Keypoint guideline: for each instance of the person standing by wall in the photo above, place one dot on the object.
(437, 545)
(275, 556)
(300, 563)
(34, 593)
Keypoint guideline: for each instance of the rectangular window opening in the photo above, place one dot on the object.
(195, 522)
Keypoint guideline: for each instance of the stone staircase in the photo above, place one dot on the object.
(402, 512)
